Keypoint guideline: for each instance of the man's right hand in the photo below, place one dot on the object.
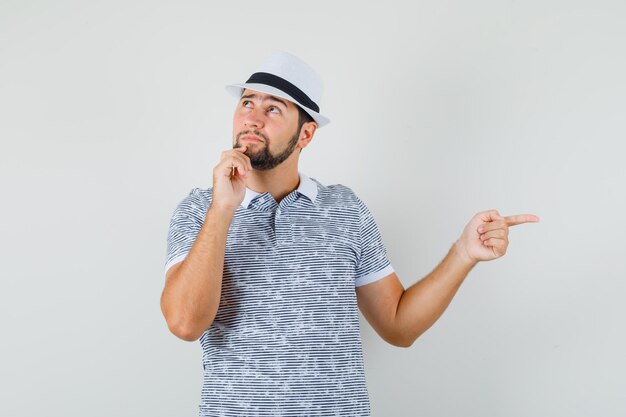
(229, 186)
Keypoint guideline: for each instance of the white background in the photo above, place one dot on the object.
(110, 112)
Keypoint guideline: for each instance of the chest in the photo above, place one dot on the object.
(292, 252)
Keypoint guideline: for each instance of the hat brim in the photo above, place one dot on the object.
(236, 89)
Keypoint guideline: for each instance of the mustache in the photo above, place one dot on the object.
(252, 132)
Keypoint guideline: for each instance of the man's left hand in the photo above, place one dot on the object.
(486, 236)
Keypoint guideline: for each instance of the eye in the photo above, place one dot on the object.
(275, 108)
(243, 103)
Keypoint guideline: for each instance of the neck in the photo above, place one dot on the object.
(279, 181)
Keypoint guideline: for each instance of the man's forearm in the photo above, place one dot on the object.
(192, 295)
(426, 300)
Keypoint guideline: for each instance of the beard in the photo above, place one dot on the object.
(262, 159)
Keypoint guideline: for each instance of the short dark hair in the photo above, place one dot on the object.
(303, 117)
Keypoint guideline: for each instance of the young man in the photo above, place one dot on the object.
(269, 268)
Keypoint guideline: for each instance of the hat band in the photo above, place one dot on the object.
(285, 86)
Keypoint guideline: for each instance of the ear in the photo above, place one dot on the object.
(306, 134)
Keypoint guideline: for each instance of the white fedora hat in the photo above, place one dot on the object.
(286, 76)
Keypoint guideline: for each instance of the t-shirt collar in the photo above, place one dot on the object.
(307, 187)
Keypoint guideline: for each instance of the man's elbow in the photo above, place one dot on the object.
(182, 327)
(402, 340)
(185, 333)
(403, 343)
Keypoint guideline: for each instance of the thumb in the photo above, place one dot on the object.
(490, 215)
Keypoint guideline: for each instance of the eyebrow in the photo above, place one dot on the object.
(272, 98)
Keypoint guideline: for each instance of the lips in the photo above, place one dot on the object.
(252, 139)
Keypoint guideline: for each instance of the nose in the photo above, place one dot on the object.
(253, 119)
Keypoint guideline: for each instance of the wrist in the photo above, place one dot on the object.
(224, 213)
(461, 254)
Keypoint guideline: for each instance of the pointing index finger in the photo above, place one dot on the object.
(521, 218)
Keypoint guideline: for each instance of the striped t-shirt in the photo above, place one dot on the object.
(286, 340)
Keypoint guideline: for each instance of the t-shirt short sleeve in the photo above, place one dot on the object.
(185, 225)
(373, 263)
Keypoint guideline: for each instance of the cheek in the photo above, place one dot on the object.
(238, 124)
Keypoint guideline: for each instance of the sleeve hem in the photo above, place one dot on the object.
(374, 276)
(177, 259)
